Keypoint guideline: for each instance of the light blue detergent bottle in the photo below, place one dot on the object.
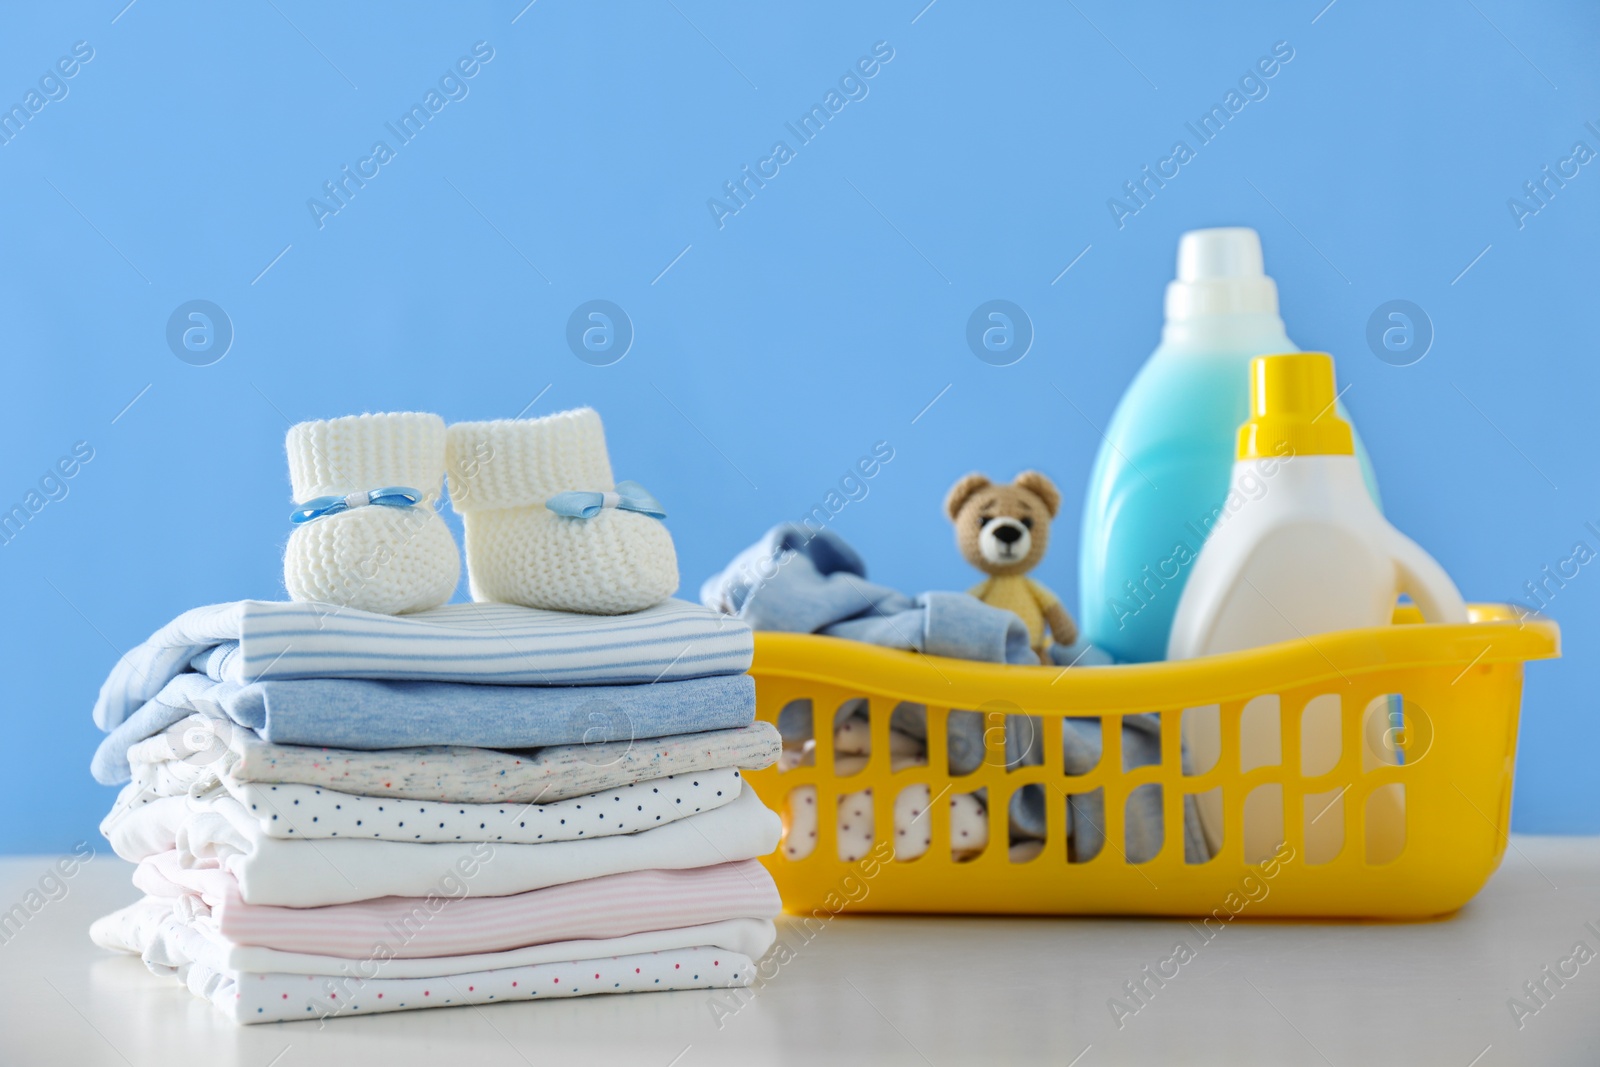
(1162, 476)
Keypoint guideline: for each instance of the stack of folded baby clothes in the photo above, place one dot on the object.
(368, 800)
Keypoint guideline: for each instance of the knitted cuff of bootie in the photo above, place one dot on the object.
(368, 535)
(520, 551)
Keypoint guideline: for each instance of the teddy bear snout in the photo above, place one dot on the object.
(1004, 540)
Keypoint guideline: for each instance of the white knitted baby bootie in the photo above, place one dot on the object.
(547, 527)
(366, 533)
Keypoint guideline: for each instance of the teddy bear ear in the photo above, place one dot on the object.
(961, 491)
(1041, 487)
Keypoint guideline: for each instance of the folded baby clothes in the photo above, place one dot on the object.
(337, 810)
(261, 998)
(714, 955)
(375, 714)
(197, 752)
(366, 533)
(748, 937)
(456, 920)
(799, 581)
(311, 811)
(140, 825)
(305, 873)
(546, 525)
(169, 941)
(251, 641)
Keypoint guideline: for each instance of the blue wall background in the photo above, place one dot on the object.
(824, 316)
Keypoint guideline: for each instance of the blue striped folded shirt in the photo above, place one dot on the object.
(501, 644)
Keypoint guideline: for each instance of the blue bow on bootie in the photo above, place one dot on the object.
(628, 496)
(395, 496)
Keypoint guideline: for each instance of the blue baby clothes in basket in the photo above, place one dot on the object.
(800, 581)
(797, 581)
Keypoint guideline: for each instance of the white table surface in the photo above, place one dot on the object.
(889, 990)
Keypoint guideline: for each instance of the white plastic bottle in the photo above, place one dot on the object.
(1161, 475)
(1301, 550)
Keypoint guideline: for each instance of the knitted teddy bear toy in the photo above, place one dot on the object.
(1003, 530)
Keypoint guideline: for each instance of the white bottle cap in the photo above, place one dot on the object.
(1220, 271)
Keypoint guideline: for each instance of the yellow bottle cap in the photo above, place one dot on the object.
(1292, 409)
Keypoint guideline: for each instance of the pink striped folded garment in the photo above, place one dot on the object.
(446, 924)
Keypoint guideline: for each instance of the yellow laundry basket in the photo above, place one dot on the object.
(1428, 708)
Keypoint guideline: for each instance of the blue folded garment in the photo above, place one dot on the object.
(814, 583)
(502, 644)
(362, 714)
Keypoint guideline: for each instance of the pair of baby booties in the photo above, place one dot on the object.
(399, 559)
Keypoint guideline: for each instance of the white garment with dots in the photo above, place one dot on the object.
(262, 998)
(717, 955)
(308, 874)
(142, 825)
(913, 828)
(311, 811)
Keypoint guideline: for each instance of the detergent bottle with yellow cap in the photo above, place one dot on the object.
(1161, 476)
(1299, 550)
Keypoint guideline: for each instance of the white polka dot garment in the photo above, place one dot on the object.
(913, 827)
(311, 811)
(262, 998)
(141, 825)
